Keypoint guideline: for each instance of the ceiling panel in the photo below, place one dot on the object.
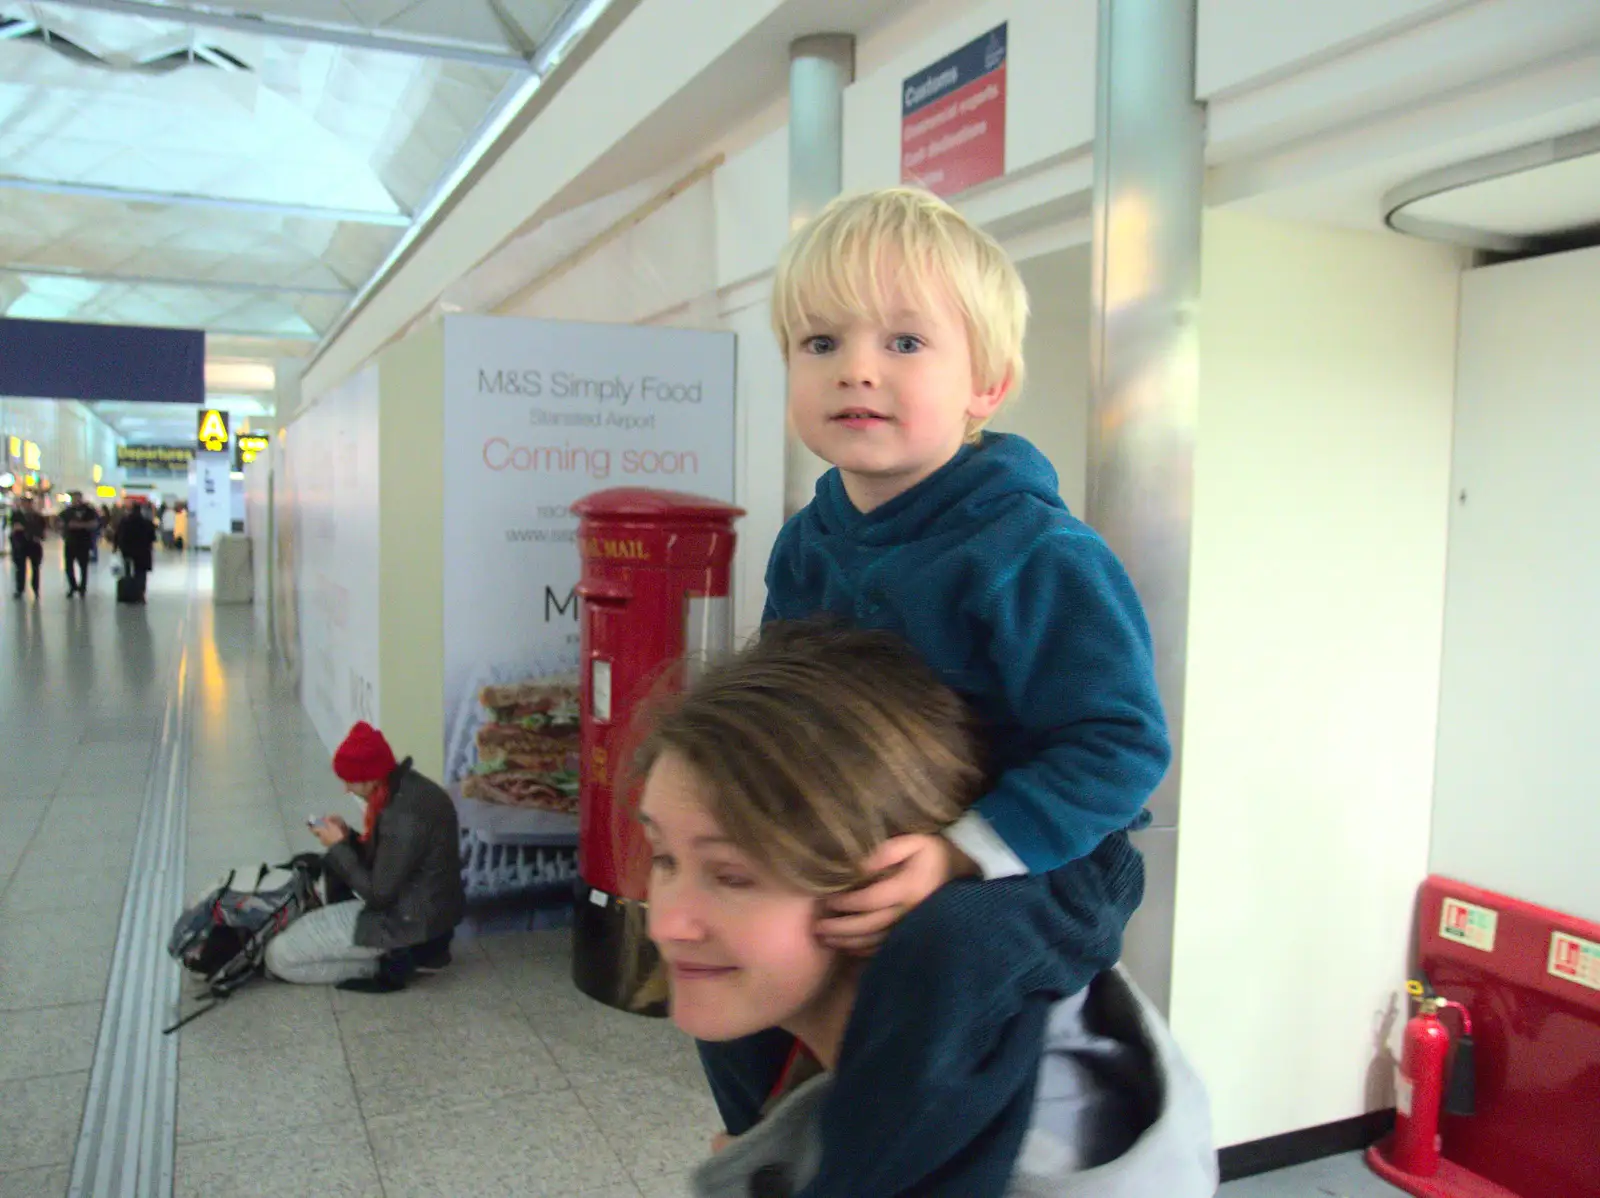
(234, 135)
(94, 235)
(477, 23)
(373, 14)
(172, 173)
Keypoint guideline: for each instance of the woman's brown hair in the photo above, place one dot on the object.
(819, 742)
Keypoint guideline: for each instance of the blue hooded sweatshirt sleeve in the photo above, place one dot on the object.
(1023, 610)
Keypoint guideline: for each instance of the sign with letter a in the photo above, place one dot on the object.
(213, 434)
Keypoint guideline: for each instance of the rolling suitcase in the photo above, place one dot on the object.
(130, 588)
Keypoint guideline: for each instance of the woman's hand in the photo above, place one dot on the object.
(330, 831)
(913, 868)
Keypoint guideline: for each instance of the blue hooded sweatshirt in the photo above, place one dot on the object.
(1024, 611)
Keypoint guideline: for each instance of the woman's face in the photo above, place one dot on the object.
(740, 946)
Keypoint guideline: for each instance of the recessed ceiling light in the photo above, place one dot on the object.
(240, 376)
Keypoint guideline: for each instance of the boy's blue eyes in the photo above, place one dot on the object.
(905, 343)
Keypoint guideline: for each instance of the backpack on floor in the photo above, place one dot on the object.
(223, 938)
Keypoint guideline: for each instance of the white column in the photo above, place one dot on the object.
(820, 68)
(1149, 167)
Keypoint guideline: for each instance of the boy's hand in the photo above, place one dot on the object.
(913, 867)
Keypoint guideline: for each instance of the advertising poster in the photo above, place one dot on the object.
(210, 497)
(953, 118)
(333, 449)
(537, 415)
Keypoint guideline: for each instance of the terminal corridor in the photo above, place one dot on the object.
(495, 1077)
(422, 389)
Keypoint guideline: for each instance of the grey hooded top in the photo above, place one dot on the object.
(1118, 1113)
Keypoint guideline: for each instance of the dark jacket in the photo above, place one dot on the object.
(80, 526)
(954, 1008)
(136, 539)
(1024, 611)
(409, 877)
(27, 528)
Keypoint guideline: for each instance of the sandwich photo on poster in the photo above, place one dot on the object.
(528, 747)
(511, 765)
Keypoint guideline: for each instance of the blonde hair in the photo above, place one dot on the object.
(817, 744)
(832, 269)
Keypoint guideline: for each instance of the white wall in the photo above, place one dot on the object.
(1316, 612)
(1514, 809)
(1052, 410)
(759, 405)
(666, 262)
(1244, 40)
(334, 446)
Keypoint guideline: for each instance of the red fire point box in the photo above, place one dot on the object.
(654, 592)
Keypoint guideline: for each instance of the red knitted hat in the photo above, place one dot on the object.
(364, 757)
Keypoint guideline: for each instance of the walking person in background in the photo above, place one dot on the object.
(27, 543)
(136, 539)
(80, 525)
(114, 522)
(167, 517)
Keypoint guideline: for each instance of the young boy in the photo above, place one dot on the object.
(902, 328)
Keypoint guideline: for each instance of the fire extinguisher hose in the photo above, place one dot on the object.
(1461, 1092)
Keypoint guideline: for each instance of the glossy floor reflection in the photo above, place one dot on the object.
(1337, 1177)
(494, 1078)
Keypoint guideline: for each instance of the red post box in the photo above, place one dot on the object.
(654, 593)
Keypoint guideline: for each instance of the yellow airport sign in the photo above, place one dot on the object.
(213, 432)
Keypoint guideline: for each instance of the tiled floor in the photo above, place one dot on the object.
(1338, 1177)
(494, 1078)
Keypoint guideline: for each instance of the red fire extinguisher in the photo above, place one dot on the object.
(1421, 1086)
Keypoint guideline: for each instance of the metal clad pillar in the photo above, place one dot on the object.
(820, 68)
(1149, 169)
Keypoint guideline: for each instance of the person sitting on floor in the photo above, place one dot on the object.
(395, 893)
